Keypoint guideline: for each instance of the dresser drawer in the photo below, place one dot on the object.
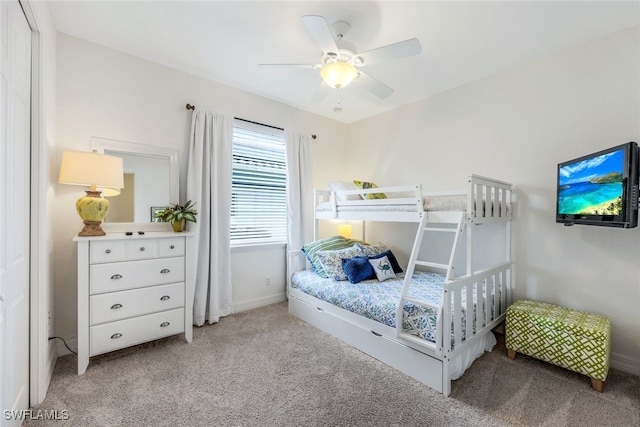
(107, 251)
(171, 247)
(135, 302)
(124, 333)
(119, 276)
(142, 249)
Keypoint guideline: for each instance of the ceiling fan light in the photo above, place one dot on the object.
(338, 74)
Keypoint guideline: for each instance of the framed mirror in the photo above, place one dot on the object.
(151, 183)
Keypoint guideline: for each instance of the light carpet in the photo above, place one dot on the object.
(265, 367)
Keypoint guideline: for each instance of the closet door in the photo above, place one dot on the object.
(15, 90)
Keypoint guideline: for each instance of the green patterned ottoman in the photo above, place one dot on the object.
(567, 338)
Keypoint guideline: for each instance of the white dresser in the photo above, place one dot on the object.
(133, 289)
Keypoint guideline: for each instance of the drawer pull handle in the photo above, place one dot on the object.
(165, 271)
(108, 251)
(116, 277)
(172, 247)
(116, 336)
(376, 334)
(164, 324)
(142, 249)
(164, 298)
(116, 306)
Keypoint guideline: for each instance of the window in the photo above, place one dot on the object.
(259, 185)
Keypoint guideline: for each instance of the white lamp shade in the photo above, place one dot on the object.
(93, 170)
(338, 74)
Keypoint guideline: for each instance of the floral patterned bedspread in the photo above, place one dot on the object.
(377, 300)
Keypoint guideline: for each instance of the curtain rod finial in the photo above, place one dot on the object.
(313, 136)
(191, 107)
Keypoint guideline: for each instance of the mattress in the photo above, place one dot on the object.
(378, 300)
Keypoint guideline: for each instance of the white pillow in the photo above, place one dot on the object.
(373, 250)
(332, 261)
(344, 186)
(383, 268)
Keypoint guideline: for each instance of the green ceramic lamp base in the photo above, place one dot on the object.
(92, 209)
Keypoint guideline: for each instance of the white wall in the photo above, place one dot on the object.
(516, 126)
(105, 93)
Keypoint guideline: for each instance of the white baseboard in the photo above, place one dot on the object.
(625, 363)
(259, 302)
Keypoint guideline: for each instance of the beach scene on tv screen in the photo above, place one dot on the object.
(592, 186)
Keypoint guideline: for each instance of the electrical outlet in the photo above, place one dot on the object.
(267, 281)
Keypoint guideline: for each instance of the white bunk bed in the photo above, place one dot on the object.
(451, 351)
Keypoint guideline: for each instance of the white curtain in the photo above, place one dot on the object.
(209, 185)
(299, 192)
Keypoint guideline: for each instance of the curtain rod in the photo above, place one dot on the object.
(193, 107)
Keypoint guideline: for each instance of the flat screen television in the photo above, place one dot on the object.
(600, 188)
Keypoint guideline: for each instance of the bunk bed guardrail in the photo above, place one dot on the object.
(488, 200)
(407, 195)
(482, 312)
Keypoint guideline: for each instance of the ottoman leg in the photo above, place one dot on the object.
(596, 384)
(511, 353)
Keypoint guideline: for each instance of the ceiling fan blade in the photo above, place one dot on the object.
(392, 51)
(320, 94)
(374, 86)
(311, 66)
(320, 32)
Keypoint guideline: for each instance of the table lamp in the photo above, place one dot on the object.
(99, 172)
(345, 230)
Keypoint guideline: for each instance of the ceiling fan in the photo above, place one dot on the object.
(340, 64)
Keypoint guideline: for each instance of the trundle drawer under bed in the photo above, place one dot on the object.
(369, 337)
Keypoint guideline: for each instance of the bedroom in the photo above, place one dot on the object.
(516, 125)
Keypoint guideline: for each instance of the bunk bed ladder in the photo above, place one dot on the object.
(425, 227)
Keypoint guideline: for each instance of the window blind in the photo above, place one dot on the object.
(259, 185)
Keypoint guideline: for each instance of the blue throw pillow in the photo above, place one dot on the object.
(392, 260)
(358, 269)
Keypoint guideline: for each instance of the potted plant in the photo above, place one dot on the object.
(178, 215)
